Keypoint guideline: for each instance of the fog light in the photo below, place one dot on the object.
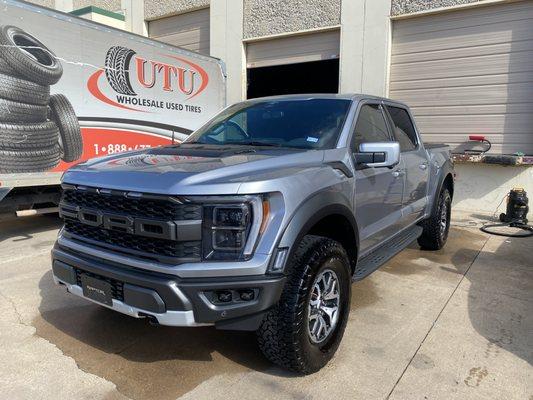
(247, 294)
(224, 296)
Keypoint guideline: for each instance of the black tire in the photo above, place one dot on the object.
(28, 136)
(5, 68)
(437, 226)
(13, 111)
(284, 336)
(62, 113)
(18, 161)
(117, 65)
(27, 57)
(23, 91)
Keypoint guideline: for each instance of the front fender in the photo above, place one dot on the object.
(311, 211)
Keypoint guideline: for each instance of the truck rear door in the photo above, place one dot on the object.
(415, 163)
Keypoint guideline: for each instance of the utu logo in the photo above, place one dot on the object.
(128, 73)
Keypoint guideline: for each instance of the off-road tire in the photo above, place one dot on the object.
(41, 66)
(14, 111)
(283, 335)
(117, 65)
(62, 113)
(433, 237)
(18, 161)
(23, 91)
(28, 136)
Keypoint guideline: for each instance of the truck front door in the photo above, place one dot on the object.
(415, 164)
(378, 191)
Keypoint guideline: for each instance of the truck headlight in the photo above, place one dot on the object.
(232, 226)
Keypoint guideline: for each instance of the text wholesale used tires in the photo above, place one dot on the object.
(18, 161)
(62, 113)
(27, 57)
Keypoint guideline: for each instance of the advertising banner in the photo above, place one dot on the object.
(71, 90)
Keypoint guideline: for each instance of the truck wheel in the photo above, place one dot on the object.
(303, 331)
(117, 66)
(27, 57)
(28, 136)
(13, 111)
(17, 161)
(437, 226)
(62, 113)
(23, 91)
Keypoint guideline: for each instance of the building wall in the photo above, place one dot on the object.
(69, 5)
(272, 17)
(411, 6)
(365, 36)
(226, 43)
(103, 19)
(110, 5)
(479, 188)
(45, 3)
(162, 8)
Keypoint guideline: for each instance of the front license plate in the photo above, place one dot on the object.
(97, 290)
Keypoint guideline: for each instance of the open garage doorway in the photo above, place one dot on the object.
(309, 77)
(294, 64)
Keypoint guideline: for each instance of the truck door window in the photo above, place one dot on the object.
(370, 126)
(404, 131)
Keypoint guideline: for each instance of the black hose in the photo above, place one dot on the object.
(512, 224)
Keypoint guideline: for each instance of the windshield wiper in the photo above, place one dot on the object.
(250, 143)
(255, 143)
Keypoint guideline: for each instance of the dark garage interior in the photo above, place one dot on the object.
(310, 77)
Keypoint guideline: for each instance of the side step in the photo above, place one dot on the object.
(376, 258)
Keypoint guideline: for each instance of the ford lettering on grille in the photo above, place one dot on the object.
(117, 222)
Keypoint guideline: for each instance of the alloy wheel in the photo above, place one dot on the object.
(323, 309)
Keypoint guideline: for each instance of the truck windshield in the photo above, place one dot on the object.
(307, 124)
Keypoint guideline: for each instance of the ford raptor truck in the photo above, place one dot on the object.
(258, 221)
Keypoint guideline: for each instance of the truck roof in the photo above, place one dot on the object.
(341, 96)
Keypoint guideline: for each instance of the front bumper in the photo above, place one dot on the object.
(168, 299)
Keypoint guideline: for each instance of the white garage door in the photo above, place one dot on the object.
(293, 49)
(190, 30)
(468, 72)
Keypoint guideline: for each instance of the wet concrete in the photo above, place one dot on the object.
(449, 324)
(142, 360)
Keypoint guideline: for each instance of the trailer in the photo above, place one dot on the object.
(72, 89)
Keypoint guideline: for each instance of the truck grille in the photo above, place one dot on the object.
(140, 244)
(162, 208)
(145, 207)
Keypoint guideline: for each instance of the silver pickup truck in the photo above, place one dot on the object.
(259, 221)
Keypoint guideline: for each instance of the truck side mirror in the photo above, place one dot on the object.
(379, 154)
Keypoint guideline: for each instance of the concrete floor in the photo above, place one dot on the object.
(453, 324)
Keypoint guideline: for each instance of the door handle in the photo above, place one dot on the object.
(398, 173)
(423, 166)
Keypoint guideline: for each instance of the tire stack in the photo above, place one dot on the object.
(37, 129)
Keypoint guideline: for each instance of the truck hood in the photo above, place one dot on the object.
(192, 169)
